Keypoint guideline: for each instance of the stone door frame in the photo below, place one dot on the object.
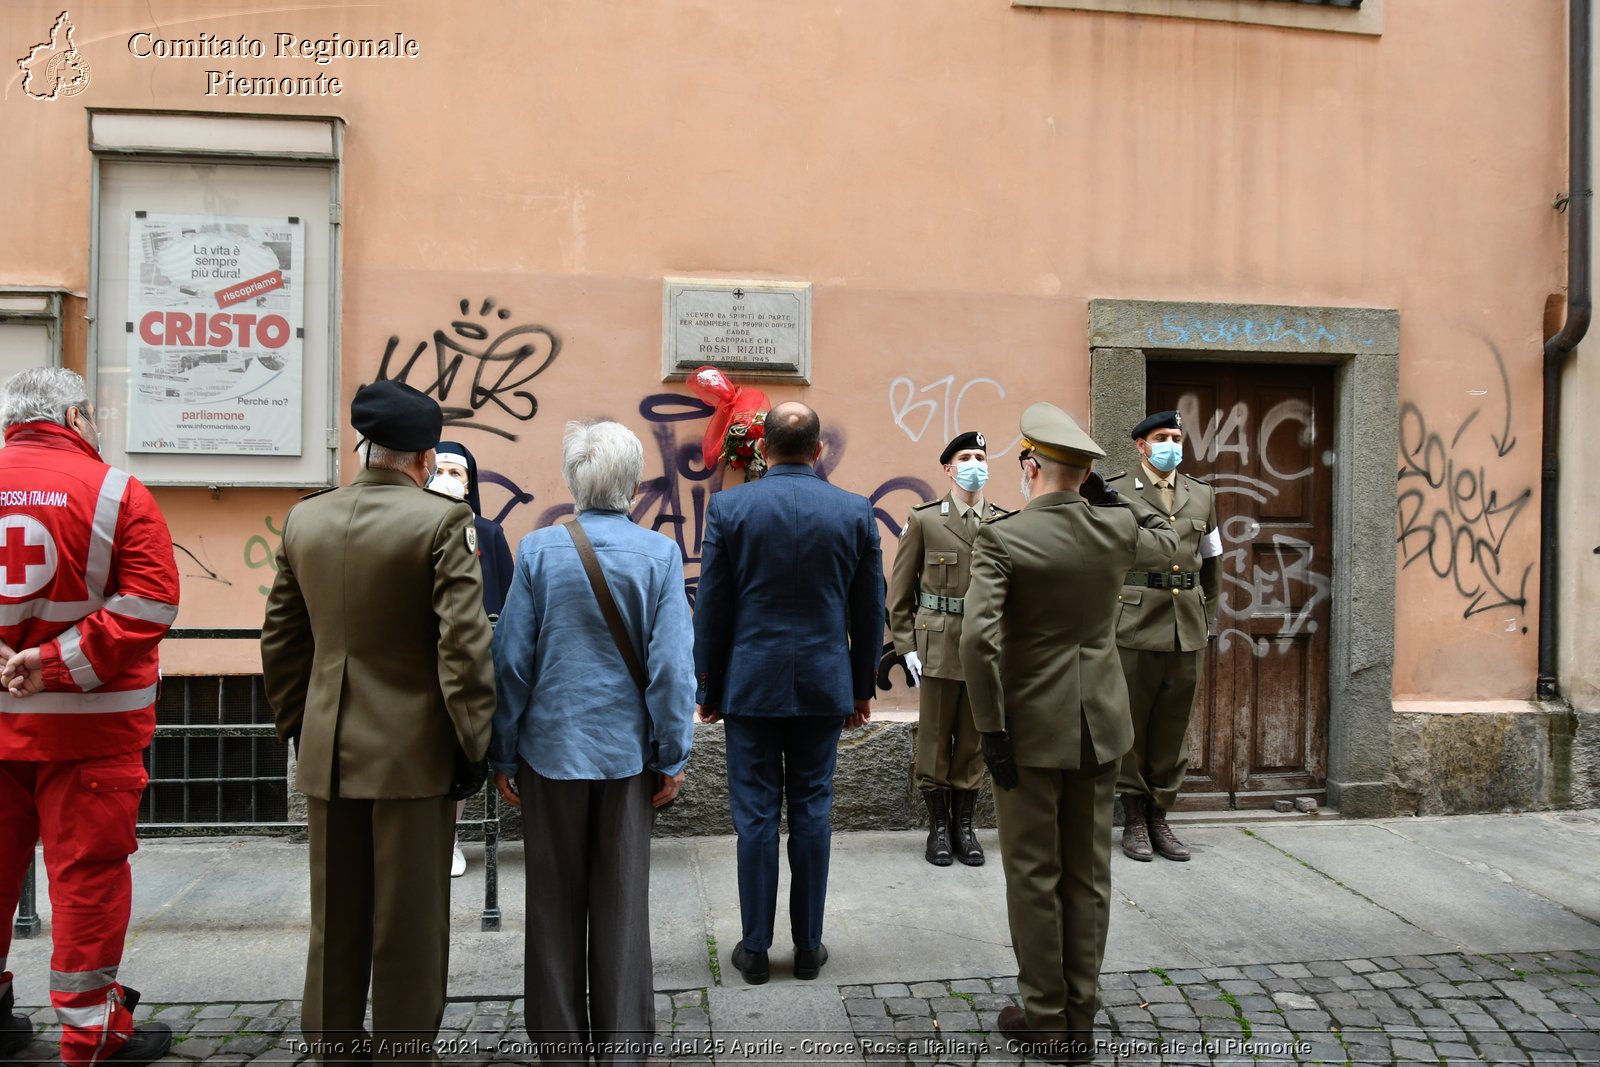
(1363, 344)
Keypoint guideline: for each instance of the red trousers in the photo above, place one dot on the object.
(84, 811)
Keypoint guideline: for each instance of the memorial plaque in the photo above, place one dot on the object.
(756, 330)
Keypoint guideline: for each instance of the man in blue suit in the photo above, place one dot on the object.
(788, 625)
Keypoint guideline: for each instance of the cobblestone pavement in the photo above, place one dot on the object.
(1532, 1008)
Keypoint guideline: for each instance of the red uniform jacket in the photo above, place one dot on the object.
(87, 574)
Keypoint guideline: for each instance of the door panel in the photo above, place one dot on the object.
(1262, 435)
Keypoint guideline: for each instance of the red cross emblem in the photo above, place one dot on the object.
(27, 555)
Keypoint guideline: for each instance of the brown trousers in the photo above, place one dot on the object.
(948, 755)
(1161, 695)
(1055, 849)
(380, 914)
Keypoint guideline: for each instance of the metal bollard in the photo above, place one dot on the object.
(491, 846)
(491, 860)
(27, 924)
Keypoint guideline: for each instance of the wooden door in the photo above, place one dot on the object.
(1263, 436)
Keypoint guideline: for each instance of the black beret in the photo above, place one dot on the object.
(396, 416)
(962, 442)
(1161, 420)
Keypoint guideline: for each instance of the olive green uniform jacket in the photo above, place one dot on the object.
(934, 557)
(1038, 647)
(1173, 620)
(375, 648)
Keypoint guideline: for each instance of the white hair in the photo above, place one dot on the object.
(43, 394)
(601, 462)
(376, 457)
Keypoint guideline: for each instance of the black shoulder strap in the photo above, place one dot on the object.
(608, 606)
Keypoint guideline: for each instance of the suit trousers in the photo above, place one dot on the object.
(771, 759)
(84, 811)
(948, 755)
(588, 974)
(1055, 849)
(1162, 687)
(380, 914)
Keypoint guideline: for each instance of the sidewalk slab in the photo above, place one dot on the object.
(1470, 906)
(1240, 900)
(1553, 854)
(792, 1022)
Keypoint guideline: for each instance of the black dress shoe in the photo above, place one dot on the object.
(808, 962)
(753, 965)
(148, 1043)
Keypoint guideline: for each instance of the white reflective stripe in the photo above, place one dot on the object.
(1211, 547)
(104, 534)
(49, 610)
(76, 663)
(82, 981)
(138, 607)
(82, 1018)
(77, 703)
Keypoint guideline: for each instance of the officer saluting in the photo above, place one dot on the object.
(1048, 696)
(926, 587)
(1166, 616)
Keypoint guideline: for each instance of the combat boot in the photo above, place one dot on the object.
(967, 849)
(938, 850)
(1136, 829)
(1166, 842)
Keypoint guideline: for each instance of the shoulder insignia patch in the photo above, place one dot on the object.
(924, 504)
(996, 511)
(1114, 477)
(472, 538)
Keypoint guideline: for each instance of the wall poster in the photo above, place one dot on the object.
(216, 310)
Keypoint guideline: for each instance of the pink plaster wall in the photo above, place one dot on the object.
(956, 179)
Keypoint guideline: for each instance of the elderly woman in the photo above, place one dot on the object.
(587, 752)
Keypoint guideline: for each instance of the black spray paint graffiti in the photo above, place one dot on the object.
(1455, 520)
(1453, 517)
(207, 572)
(501, 367)
(1283, 579)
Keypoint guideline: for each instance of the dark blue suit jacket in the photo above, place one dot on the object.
(788, 619)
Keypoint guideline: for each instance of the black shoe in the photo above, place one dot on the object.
(753, 965)
(148, 1043)
(16, 1031)
(808, 962)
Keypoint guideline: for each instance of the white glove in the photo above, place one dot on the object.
(914, 668)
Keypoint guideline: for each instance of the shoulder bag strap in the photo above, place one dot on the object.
(608, 606)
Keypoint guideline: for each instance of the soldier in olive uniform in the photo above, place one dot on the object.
(1166, 616)
(1039, 654)
(375, 652)
(926, 588)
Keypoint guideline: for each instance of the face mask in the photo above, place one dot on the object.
(1166, 455)
(971, 474)
(449, 485)
(1027, 486)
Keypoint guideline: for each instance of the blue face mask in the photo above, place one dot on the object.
(1166, 455)
(971, 474)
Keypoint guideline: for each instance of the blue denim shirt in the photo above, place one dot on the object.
(567, 704)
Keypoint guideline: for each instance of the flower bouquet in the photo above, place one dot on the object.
(736, 423)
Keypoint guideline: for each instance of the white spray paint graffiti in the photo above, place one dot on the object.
(1286, 580)
(916, 417)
